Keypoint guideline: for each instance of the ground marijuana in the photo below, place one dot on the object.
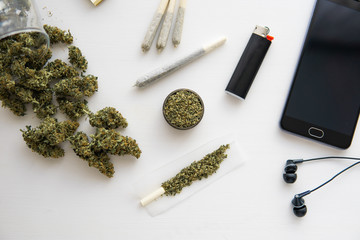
(183, 109)
(26, 77)
(195, 171)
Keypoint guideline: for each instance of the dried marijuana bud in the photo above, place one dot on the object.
(6, 82)
(36, 80)
(26, 77)
(104, 142)
(38, 57)
(108, 118)
(42, 105)
(196, 171)
(77, 87)
(9, 97)
(61, 70)
(21, 58)
(100, 160)
(77, 59)
(57, 35)
(114, 143)
(44, 111)
(23, 94)
(74, 109)
(45, 138)
(183, 109)
(14, 104)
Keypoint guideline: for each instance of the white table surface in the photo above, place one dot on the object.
(43, 199)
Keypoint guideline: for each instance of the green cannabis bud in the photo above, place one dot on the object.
(21, 58)
(77, 59)
(38, 57)
(36, 80)
(82, 147)
(26, 77)
(42, 105)
(45, 110)
(11, 102)
(24, 94)
(6, 82)
(9, 97)
(57, 35)
(196, 171)
(77, 87)
(61, 70)
(73, 109)
(45, 138)
(104, 142)
(108, 118)
(114, 143)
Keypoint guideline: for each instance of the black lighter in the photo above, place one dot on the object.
(249, 63)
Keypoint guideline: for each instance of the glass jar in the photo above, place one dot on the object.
(21, 16)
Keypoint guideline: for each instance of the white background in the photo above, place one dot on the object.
(43, 199)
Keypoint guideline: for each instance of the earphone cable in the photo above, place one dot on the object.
(353, 165)
(331, 157)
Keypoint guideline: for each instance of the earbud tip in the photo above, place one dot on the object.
(300, 211)
(289, 177)
(291, 168)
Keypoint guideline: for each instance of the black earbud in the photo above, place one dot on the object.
(290, 169)
(289, 174)
(298, 202)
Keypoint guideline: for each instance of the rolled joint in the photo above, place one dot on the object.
(214, 45)
(162, 6)
(182, 4)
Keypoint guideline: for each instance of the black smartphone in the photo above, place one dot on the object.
(324, 99)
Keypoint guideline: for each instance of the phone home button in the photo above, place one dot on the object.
(315, 132)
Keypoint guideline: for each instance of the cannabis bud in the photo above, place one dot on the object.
(77, 87)
(57, 35)
(42, 105)
(100, 160)
(25, 78)
(104, 142)
(45, 139)
(36, 80)
(61, 70)
(108, 118)
(21, 59)
(74, 109)
(114, 143)
(8, 96)
(77, 59)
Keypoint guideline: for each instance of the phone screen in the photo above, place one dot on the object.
(325, 94)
